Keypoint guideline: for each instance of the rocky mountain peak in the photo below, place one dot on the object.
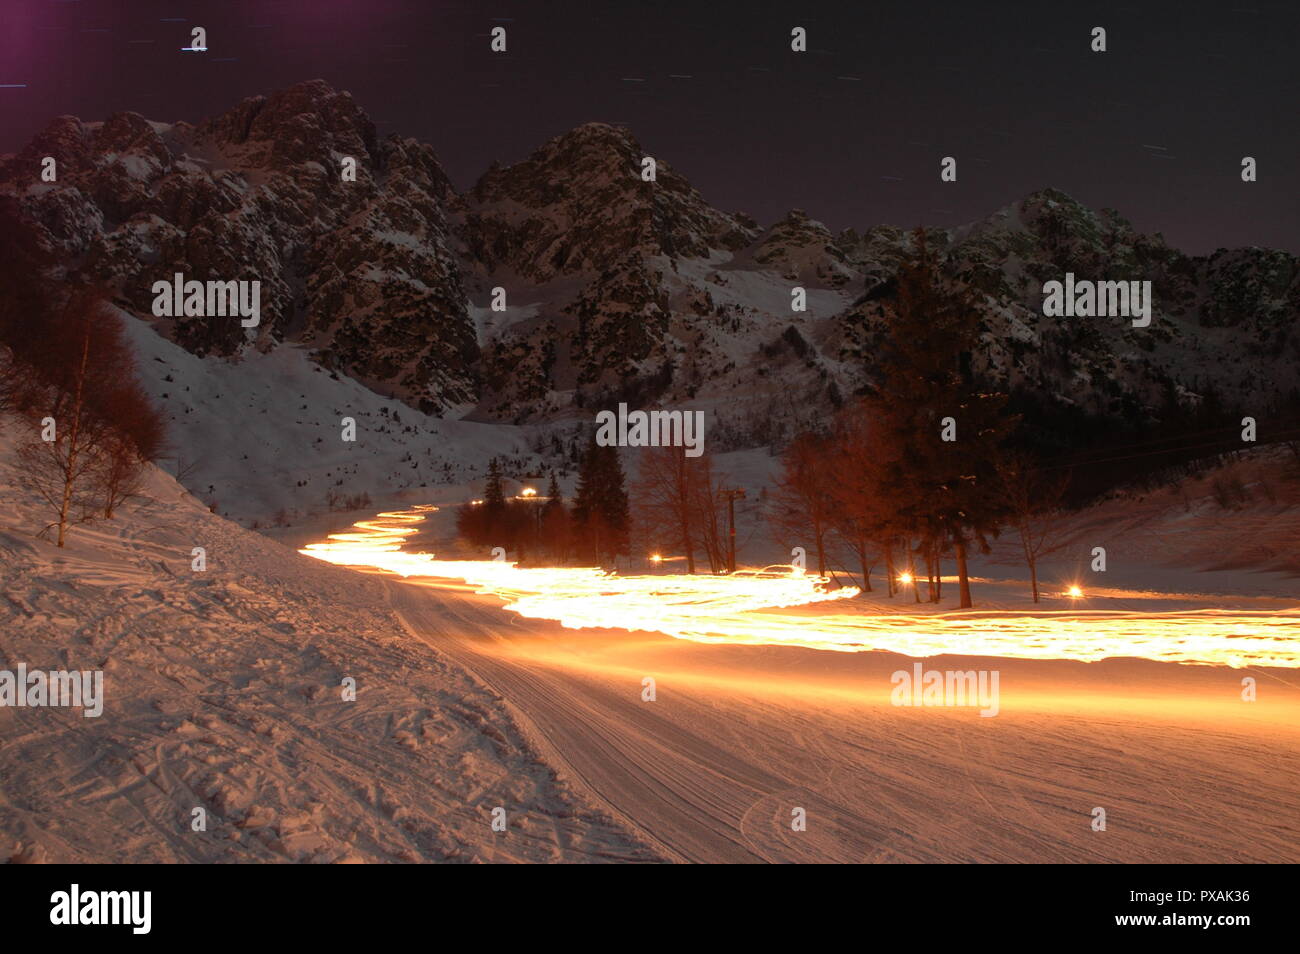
(619, 285)
(581, 203)
(804, 250)
(306, 122)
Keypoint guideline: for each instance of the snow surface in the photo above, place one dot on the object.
(740, 736)
(264, 433)
(223, 693)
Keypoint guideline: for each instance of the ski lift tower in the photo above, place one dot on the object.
(731, 495)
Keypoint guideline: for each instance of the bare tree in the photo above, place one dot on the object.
(67, 450)
(1032, 496)
(803, 503)
(135, 438)
(677, 504)
(119, 475)
(859, 514)
(96, 424)
(665, 500)
(709, 508)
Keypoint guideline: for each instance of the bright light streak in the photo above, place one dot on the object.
(575, 596)
(735, 609)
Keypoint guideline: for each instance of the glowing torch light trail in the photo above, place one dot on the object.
(739, 609)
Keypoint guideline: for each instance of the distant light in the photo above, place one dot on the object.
(656, 558)
(905, 578)
(1074, 592)
(528, 492)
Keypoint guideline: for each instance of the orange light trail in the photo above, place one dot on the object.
(737, 609)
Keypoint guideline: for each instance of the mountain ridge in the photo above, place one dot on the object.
(616, 288)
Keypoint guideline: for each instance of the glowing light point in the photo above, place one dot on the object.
(1074, 592)
(528, 492)
(905, 578)
(656, 558)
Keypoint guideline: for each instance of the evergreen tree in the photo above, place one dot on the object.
(945, 493)
(554, 499)
(556, 530)
(600, 507)
(494, 497)
(493, 518)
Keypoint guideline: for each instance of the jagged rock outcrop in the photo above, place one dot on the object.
(616, 287)
(360, 271)
(579, 204)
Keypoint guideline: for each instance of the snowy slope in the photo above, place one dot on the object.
(223, 693)
(264, 433)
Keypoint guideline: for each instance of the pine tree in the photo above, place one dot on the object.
(492, 516)
(616, 507)
(600, 507)
(494, 497)
(553, 497)
(944, 492)
(556, 529)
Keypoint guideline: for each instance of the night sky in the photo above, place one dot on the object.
(851, 131)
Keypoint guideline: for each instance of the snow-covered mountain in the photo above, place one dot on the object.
(616, 288)
(359, 271)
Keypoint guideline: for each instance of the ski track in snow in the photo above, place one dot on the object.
(222, 692)
(711, 772)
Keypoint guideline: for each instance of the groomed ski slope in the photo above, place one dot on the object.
(739, 736)
(223, 692)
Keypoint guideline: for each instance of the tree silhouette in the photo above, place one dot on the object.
(600, 507)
